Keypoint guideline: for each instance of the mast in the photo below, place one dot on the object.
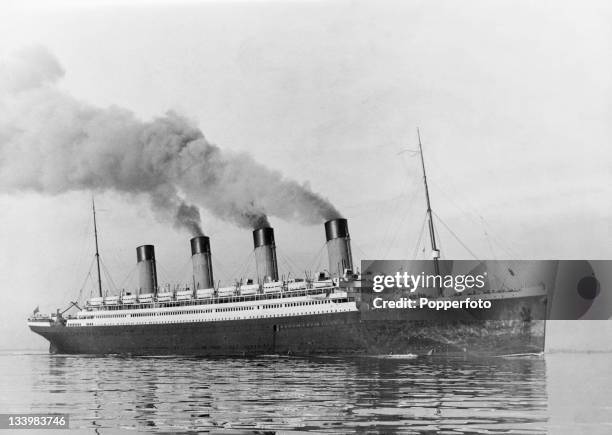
(434, 248)
(93, 204)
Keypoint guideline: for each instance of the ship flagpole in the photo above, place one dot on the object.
(432, 234)
(93, 206)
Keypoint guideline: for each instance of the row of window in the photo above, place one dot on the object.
(219, 310)
(223, 310)
(227, 299)
(214, 319)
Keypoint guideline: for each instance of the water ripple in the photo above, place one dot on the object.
(332, 395)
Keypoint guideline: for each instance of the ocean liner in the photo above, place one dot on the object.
(330, 314)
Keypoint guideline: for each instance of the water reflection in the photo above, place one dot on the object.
(322, 394)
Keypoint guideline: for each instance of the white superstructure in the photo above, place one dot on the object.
(300, 303)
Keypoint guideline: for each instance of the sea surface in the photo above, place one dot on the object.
(556, 393)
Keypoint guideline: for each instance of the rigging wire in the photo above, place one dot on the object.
(489, 243)
(363, 253)
(86, 278)
(396, 216)
(456, 237)
(317, 258)
(399, 218)
(418, 243)
(390, 245)
(502, 243)
(169, 278)
(244, 269)
(414, 153)
(165, 275)
(439, 240)
(291, 266)
(473, 215)
(78, 262)
(294, 265)
(108, 277)
(184, 271)
(128, 276)
(90, 290)
(319, 267)
(290, 262)
(219, 265)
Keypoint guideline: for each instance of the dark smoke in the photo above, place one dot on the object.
(257, 220)
(51, 142)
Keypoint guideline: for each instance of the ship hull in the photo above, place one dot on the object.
(347, 333)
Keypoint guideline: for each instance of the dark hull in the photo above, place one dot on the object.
(328, 334)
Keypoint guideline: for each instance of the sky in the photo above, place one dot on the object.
(512, 99)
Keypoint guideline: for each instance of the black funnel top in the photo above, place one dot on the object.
(263, 237)
(200, 245)
(145, 252)
(336, 228)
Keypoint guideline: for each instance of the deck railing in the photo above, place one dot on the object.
(216, 299)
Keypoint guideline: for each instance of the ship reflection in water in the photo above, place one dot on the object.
(561, 393)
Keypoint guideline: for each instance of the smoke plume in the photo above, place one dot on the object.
(51, 142)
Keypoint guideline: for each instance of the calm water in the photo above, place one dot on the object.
(559, 393)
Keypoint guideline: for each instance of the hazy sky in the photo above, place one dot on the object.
(513, 99)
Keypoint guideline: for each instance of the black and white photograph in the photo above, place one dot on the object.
(306, 216)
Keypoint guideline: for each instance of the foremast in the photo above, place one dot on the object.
(435, 252)
(93, 206)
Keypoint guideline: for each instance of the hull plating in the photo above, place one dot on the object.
(330, 334)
